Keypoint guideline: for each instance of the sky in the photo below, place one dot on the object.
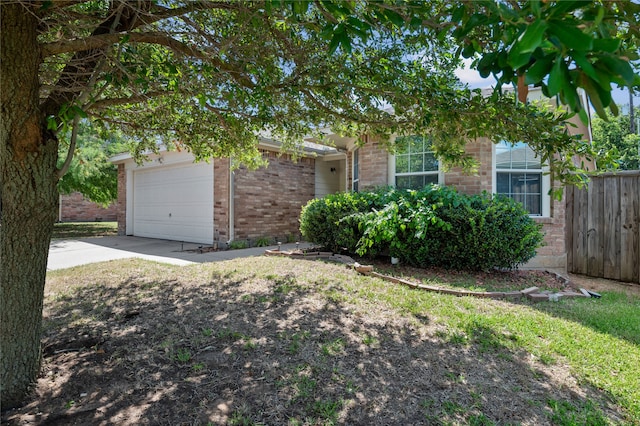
(473, 79)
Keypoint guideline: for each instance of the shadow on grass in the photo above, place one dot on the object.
(66, 230)
(273, 348)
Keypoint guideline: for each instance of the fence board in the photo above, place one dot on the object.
(569, 193)
(603, 227)
(580, 209)
(595, 228)
(611, 250)
(629, 234)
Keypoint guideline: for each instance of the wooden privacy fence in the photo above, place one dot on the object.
(603, 227)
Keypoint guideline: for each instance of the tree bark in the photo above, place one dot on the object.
(28, 154)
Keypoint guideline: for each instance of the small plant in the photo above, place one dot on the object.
(249, 344)
(369, 340)
(262, 242)
(480, 420)
(238, 244)
(333, 348)
(452, 408)
(296, 339)
(197, 367)
(327, 410)
(183, 355)
(207, 332)
(239, 418)
(69, 404)
(226, 334)
(305, 387)
(285, 284)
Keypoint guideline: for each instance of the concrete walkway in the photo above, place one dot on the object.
(69, 253)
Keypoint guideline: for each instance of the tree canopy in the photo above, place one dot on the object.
(213, 75)
(613, 136)
(90, 171)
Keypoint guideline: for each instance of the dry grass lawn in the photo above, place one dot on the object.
(277, 341)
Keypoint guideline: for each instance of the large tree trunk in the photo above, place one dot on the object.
(28, 154)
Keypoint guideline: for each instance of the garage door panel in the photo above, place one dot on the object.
(174, 202)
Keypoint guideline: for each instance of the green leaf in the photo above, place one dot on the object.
(520, 60)
(76, 110)
(619, 67)
(345, 41)
(609, 45)
(586, 66)
(531, 37)
(458, 13)
(536, 73)
(333, 45)
(535, 7)
(596, 95)
(52, 123)
(557, 76)
(394, 17)
(570, 36)
(300, 7)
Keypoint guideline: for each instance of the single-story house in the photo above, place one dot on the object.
(171, 197)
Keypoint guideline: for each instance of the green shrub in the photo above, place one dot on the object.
(320, 220)
(434, 226)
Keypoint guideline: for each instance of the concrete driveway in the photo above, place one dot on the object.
(69, 253)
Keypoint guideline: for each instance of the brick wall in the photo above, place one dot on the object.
(267, 202)
(76, 208)
(122, 200)
(374, 165)
(553, 255)
(221, 199)
(482, 151)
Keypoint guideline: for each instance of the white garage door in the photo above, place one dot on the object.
(174, 203)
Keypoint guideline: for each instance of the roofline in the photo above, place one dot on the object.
(310, 148)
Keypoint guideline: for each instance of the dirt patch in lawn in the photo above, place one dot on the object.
(275, 341)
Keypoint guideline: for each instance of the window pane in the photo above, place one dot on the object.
(416, 160)
(356, 164)
(402, 146)
(402, 164)
(519, 198)
(503, 156)
(403, 182)
(502, 183)
(526, 188)
(534, 206)
(416, 144)
(519, 157)
(430, 162)
(533, 182)
(533, 162)
(415, 163)
(429, 179)
(417, 182)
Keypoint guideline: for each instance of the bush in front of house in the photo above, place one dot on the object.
(435, 226)
(329, 221)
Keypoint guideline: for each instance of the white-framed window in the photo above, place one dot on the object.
(519, 174)
(415, 164)
(356, 170)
